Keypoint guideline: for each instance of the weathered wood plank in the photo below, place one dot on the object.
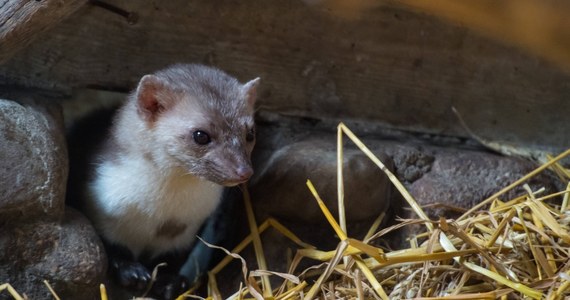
(540, 26)
(21, 21)
(389, 65)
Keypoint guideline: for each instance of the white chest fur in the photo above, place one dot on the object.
(135, 205)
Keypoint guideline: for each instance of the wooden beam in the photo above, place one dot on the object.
(387, 64)
(21, 21)
(542, 27)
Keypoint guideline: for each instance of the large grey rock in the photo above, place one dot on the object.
(69, 255)
(33, 161)
(287, 153)
(457, 180)
(463, 178)
(280, 189)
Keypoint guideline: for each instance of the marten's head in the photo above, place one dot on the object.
(200, 121)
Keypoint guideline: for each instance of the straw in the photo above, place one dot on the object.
(516, 248)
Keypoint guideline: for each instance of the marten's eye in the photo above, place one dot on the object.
(201, 137)
(250, 135)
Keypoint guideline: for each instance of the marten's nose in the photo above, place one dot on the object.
(244, 172)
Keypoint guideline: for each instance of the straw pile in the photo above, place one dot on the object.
(502, 248)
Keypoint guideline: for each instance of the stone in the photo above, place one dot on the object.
(462, 179)
(287, 153)
(457, 180)
(280, 189)
(411, 162)
(69, 255)
(33, 161)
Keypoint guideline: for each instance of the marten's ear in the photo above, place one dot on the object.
(249, 91)
(150, 95)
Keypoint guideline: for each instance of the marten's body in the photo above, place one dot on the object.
(162, 212)
(185, 132)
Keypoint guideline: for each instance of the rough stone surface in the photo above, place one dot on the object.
(69, 255)
(411, 163)
(33, 161)
(280, 189)
(457, 180)
(462, 179)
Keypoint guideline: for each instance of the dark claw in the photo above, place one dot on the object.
(132, 274)
(125, 269)
(169, 286)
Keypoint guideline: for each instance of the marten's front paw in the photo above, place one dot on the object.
(169, 286)
(131, 274)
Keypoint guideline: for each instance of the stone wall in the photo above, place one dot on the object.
(41, 239)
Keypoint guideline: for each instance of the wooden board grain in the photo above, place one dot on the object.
(388, 65)
(543, 27)
(21, 21)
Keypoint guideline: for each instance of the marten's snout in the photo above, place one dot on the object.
(232, 165)
(236, 175)
(233, 170)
